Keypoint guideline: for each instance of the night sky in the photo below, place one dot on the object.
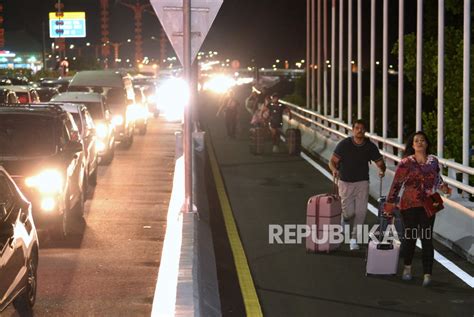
(263, 30)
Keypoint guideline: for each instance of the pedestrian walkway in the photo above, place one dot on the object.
(273, 189)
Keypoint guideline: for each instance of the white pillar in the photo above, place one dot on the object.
(349, 64)
(419, 63)
(440, 142)
(341, 55)
(466, 144)
(359, 59)
(333, 56)
(385, 70)
(308, 54)
(372, 66)
(401, 41)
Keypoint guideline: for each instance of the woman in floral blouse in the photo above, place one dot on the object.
(419, 175)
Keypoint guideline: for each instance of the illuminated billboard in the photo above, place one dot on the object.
(67, 24)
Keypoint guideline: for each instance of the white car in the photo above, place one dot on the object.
(25, 94)
(87, 133)
(105, 130)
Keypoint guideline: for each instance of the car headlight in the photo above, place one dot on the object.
(101, 131)
(117, 120)
(47, 182)
(100, 146)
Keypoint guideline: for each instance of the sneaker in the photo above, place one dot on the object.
(406, 276)
(353, 245)
(426, 280)
(275, 149)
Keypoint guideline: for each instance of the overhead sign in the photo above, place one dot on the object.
(67, 24)
(170, 13)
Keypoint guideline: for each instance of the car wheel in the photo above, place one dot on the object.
(78, 210)
(93, 177)
(26, 300)
(109, 156)
(127, 143)
(85, 184)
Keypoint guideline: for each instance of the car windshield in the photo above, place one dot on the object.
(26, 135)
(95, 109)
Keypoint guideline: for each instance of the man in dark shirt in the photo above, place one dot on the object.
(350, 163)
(275, 111)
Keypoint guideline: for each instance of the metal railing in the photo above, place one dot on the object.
(342, 129)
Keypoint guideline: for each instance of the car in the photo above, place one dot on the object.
(39, 149)
(25, 94)
(87, 133)
(120, 97)
(46, 93)
(105, 130)
(18, 248)
(8, 96)
(60, 83)
(141, 110)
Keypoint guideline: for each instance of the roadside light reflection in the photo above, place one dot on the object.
(172, 97)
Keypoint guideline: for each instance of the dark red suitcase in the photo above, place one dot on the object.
(293, 138)
(256, 141)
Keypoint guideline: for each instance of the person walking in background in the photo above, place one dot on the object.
(419, 175)
(251, 103)
(350, 163)
(274, 112)
(230, 106)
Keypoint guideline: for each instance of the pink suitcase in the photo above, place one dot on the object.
(323, 210)
(382, 258)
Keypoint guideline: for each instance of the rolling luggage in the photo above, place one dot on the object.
(256, 140)
(293, 138)
(396, 220)
(382, 257)
(323, 210)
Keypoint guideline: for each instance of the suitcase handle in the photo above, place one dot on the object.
(335, 185)
(380, 191)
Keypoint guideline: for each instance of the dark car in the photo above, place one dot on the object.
(46, 93)
(40, 148)
(60, 83)
(18, 248)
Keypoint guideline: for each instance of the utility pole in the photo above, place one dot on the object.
(104, 30)
(137, 9)
(116, 47)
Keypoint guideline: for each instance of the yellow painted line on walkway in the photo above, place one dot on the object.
(247, 287)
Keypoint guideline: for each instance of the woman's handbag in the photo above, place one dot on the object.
(433, 203)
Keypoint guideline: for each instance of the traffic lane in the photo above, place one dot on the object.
(292, 283)
(109, 267)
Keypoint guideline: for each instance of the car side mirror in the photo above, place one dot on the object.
(74, 146)
(24, 212)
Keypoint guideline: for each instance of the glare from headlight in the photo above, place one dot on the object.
(99, 146)
(117, 120)
(47, 182)
(172, 97)
(101, 131)
(48, 204)
(219, 84)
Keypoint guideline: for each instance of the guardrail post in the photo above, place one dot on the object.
(452, 173)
